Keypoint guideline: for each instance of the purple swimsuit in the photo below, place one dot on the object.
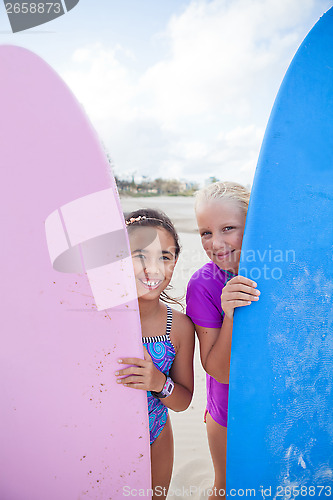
(203, 306)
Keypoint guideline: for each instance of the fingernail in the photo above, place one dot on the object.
(257, 292)
(116, 373)
(254, 284)
(118, 381)
(120, 360)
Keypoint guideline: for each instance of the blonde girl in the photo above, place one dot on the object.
(213, 293)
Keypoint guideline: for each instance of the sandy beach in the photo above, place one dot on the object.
(193, 470)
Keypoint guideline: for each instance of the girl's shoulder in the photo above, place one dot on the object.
(182, 329)
(206, 282)
(208, 272)
(181, 320)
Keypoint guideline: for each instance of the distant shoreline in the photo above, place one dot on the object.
(154, 195)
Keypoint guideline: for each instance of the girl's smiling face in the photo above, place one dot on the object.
(154, 259)
(221, 226)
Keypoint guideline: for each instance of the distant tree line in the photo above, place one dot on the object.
(156, 187)
(148, 187)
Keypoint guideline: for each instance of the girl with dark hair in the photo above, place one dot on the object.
(166, 372)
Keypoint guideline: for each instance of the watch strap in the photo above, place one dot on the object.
(166, 391)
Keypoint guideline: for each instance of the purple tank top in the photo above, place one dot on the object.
(203, 306)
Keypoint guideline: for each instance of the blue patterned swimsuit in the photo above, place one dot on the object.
(162, 353)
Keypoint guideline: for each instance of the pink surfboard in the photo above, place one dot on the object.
(68, 301)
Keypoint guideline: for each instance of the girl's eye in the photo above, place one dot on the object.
(228, 228)
(165, 257)
(205, 233)
(138, 256)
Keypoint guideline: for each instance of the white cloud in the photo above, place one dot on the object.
(102, 83)
(222, 54)
(201, 111)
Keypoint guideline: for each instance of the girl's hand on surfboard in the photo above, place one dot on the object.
(238, 292)
(143, 374)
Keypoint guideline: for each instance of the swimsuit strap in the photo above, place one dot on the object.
(169, 321)
(166, 336)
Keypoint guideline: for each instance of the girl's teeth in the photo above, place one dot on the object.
(151, 283)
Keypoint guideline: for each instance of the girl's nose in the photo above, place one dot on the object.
(153, 268)
(218, 242)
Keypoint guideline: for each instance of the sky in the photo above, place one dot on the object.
(178, 89)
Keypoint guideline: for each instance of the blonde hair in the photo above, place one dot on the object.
(223, 191)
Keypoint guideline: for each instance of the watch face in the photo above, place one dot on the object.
(168, 387)
(166, 391)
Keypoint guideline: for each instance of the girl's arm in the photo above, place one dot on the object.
(215, 343)
(182, 368)
(215, 348)
(144, 375)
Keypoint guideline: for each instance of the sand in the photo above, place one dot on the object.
(193, 470)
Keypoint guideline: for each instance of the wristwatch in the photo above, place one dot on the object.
(166, 391)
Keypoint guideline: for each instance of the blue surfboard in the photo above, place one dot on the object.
(280, 428)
